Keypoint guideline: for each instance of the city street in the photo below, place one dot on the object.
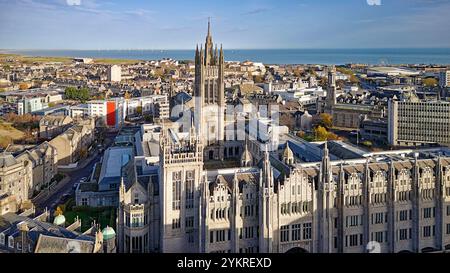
(49, 198)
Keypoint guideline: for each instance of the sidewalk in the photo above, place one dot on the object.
(53, 187)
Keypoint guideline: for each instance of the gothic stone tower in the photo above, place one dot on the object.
(180, 181)
(209, 93)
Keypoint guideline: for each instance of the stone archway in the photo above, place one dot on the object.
(297, 250)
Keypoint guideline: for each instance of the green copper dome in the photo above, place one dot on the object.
(108, 233)
(59, 220)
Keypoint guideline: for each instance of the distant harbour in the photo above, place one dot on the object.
(385, 56)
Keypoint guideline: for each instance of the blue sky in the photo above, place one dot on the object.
(180, 24)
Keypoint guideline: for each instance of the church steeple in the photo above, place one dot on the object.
(209, 26)
(209, 51)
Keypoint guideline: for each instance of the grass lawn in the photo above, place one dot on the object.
(6, 129)
(37, 59)
(105, 216)
(66, 60)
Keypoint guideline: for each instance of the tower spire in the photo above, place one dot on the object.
(209, 26)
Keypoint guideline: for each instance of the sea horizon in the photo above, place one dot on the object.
(321, 56)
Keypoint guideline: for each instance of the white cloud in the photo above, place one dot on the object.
(73, 2)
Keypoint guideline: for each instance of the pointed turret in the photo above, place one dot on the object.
(326, 153)
(246, 158)
(236, 185)
(267, 169)
(121, 190)
(288, 155)
(326, 165)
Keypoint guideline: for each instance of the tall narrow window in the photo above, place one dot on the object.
(190, 189)
(176, 190)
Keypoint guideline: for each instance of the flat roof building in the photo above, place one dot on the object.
(419, 123)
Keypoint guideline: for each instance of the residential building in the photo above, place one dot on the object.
(15, 179)
(114, 73)
(110, 113)
(74, 143)
(53, 125)
(30, 104)
(43, 159)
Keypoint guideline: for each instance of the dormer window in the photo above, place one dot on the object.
(2, 239)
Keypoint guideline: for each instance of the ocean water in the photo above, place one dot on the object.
(378, 56)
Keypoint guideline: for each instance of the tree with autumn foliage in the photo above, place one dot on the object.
(320, 133)
(325, 120)
(23, 86)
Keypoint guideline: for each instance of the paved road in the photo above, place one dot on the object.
(51, 199)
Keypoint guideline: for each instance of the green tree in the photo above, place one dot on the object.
(73, 93)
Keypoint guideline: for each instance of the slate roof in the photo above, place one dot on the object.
(48, 238)
(49, 244)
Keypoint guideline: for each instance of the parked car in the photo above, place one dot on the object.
(64, 198)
